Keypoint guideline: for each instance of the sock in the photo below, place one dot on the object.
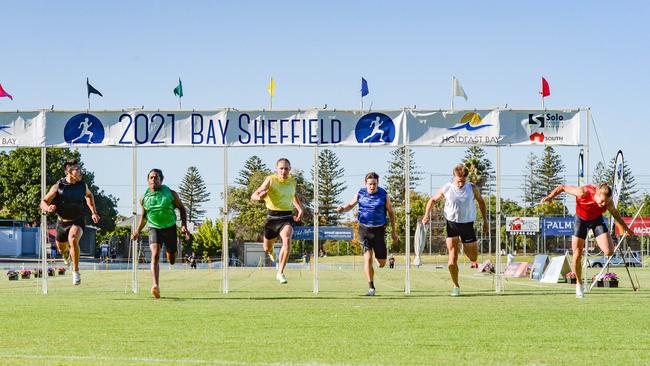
(371, 284)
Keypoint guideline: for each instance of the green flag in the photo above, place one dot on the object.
(178, 91)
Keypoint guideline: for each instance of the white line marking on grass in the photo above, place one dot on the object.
(158, 360)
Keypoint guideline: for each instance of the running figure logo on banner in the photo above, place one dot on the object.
(83, 128)
(375, 127)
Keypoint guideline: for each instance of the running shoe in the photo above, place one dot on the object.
(455, 291)
(280, 277)
(371, 292)
(155, 292)
(76, 278)
(580, 292)
(473, 265)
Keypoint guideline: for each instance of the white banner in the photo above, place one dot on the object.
(289, 128)
(522, 225)
(491, 128)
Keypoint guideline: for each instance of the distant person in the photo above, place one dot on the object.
(279, 194)
(158, 211)
(391, 262)
(510, 259)
(460, 214)
(192, 260)
(66, 198)
(374, 205)
(591, 202)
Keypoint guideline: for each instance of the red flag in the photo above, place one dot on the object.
(3, 93)
(546, 90)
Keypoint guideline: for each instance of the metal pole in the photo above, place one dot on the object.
(315, 218)
(498, 288)
(44, 222)
(135, 244)
(224, 235)
(407, 204)
(587, 180)
(430, 213)
(452, 92)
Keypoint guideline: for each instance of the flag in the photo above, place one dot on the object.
(3, 93)
(458, 89)
(546, 90)
(178, 91)
(271, 88)
(92, 90)
(364, 88)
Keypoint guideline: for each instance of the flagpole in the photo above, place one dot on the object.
(361, 104)
(88, 102)
(180, 107)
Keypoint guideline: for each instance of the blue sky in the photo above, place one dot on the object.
(594, 54)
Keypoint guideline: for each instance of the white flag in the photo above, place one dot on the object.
(458, 90)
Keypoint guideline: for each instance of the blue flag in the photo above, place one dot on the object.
(364, 88)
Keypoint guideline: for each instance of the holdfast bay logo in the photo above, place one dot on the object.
(83, 128)
(5, 136)
(470, 121)
(375, 127)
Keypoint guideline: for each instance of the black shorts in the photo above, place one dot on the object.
(582, 227)
(275, 221)
(63, 228)
(465, 230)
(373, 238)
(166, 237)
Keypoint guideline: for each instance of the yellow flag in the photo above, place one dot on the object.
(271, 87)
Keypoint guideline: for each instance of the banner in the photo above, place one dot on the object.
(492, 128)
(229, 127)
(522, 225)
(641, 226)
(558, 226)
(324, 233)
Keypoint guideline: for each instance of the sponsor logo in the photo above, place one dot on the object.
(83, 128)
(5, 129)
(539, 126)
(375, 127)
(470, 121)
(4, 132)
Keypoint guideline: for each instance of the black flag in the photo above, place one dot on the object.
(92, 90)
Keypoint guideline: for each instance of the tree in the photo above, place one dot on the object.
(530, 187)
(20, 185)
(480, 168)
(550, 173)
(330, 187)
(395, 179)
(600, 174)
(193, 193)
(629, 190)
(252, 165)
(208, 238)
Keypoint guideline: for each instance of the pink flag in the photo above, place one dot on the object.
(3, 93)
(546, 90)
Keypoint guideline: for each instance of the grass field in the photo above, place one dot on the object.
(261, 322)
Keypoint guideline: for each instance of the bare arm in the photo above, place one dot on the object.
(181, 209)
(391, 217)
(90, 201)
(298, 205)
(46, 205)
(430, 203)
(481, 206)
(143, 221)
(261, 192)
(572, 190)
(622, 226)
(347, 207)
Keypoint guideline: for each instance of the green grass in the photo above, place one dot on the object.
(261, 322)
